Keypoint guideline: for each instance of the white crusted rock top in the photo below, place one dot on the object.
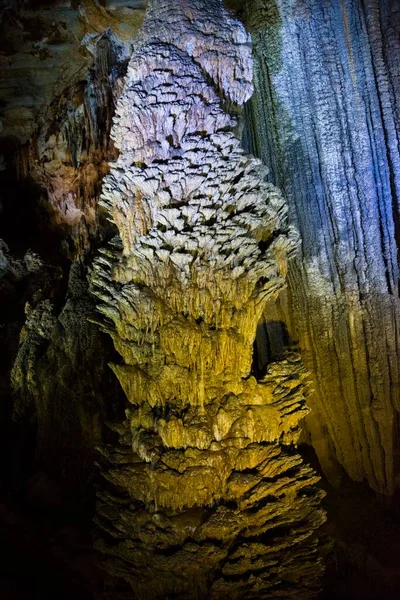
(206, 457)
(206, 32)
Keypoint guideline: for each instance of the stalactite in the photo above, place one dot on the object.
(206, 495)
(69, 156)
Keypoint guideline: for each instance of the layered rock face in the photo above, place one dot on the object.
(205, 493)
(325, 117)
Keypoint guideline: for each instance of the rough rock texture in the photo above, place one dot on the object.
(206, 495)
(325, 117)
(61, 67)
(61, 381)
(47, 45)
(49, 189)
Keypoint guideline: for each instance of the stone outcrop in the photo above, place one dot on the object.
(205, 494)
(56, 391)
(61, 68)
(47, 47)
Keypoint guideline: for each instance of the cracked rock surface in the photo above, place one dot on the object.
(325, 117)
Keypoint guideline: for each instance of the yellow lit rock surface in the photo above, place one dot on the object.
(206, 495)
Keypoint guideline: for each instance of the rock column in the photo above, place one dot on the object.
(206, 495)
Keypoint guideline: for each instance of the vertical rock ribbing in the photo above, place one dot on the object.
(206, 495)
(325, 117)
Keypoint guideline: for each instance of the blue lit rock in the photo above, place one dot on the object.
(325, 118)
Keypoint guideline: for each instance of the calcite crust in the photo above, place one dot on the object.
(207, 496)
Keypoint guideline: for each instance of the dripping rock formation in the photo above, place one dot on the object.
(207, 496)
(324, 118)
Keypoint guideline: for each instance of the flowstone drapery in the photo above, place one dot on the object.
(206, 495)
(325, 117)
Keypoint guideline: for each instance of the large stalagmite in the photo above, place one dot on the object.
(205, 493)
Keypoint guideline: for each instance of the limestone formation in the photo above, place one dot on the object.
(45, 48)
(205, 494)
(325, 117)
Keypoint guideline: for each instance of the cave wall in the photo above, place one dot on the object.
(62, 67)
(325, 119)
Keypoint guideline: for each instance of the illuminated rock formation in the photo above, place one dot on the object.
(206, 495)
(325, 118)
